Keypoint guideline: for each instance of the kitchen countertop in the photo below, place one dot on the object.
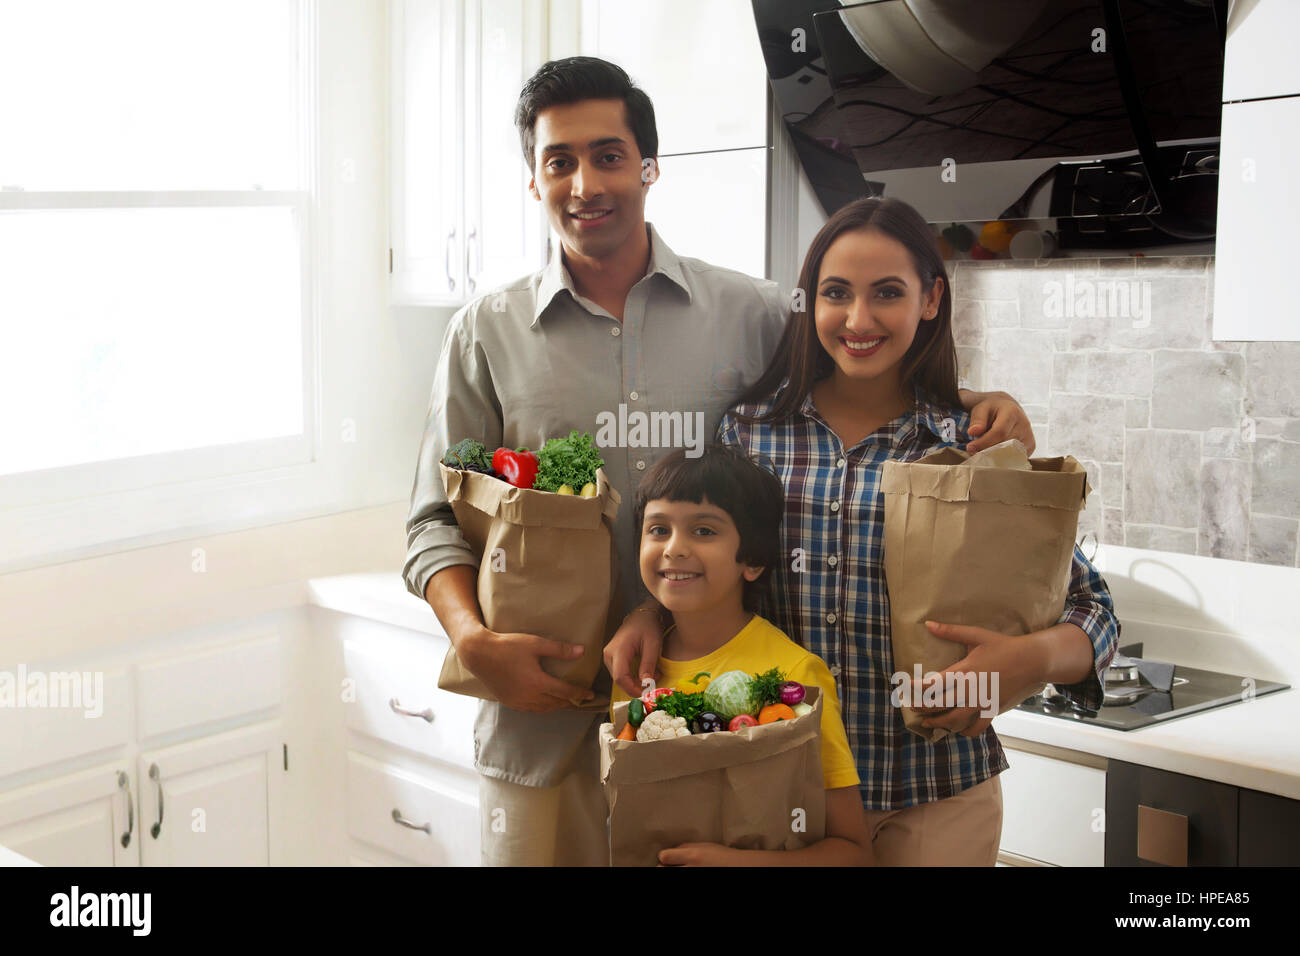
(1239, 744)
(10, 858)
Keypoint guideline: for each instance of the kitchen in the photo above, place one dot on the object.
(263, 681)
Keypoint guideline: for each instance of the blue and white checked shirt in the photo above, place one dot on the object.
(838, 608)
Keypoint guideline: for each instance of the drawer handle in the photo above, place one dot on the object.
(155, 776)
(397, 708)
(397, 817)
(124, 783)
(1161, 836)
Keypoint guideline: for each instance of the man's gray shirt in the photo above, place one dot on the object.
(535, 360)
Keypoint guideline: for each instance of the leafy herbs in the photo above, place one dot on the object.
(568, 461)
(678, 704)
(766, 687)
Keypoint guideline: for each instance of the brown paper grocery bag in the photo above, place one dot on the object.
(988, 547)
(760, 788)
(546, 567)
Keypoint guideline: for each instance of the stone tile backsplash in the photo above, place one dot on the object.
(1191, 445)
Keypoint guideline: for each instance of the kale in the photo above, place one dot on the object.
(568, 461)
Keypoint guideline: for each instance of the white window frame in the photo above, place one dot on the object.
(85, 509)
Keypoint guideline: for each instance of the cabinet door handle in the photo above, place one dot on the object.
(451, 281)
(124, 783)
(156, 777)
(471, 241)
(397, 816)
(1161, 836)
(396, 708)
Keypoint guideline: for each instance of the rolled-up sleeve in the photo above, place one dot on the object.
(1088, 605)
(463, 404)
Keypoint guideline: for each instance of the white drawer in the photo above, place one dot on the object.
(208, 685)
(77, 713)
(388, 676)
(443, 807)
(1053, 811)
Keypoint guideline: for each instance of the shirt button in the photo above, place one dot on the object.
(640, 465)
(835, 506)
(840, 463)
(835, 670)
(830, 618)
(633, 395)
(832, 560)
(616, 331)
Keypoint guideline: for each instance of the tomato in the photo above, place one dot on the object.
(742, 720)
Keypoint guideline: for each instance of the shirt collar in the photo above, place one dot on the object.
(556, 277)
(927, 413)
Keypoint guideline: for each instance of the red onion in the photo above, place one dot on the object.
(792, 692)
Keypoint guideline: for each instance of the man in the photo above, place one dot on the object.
(615, 319)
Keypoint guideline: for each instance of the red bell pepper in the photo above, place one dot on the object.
(519, 467)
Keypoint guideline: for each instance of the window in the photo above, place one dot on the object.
(156, 197)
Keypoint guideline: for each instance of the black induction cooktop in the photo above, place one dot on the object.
(1141, 692)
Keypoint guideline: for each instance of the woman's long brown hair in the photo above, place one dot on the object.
(930, 362)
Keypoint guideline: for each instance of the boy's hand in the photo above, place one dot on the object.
(510, 665)
(639, 637)
(996, 418)
(699, 854)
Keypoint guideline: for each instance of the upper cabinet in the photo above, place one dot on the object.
(1258, 196)
(462, 219)
(700, 63)
(1259, 57)
(702, 67)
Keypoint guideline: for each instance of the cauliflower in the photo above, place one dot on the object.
(658, 725)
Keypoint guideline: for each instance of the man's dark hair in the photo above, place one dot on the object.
(578, 78)
(750, 494)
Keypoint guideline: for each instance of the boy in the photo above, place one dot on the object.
(708, 539)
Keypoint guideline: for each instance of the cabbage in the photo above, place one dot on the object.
(731, 694)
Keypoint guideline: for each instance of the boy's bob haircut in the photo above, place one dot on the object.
(750, 494)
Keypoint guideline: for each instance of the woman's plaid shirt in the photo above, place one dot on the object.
(830, 594)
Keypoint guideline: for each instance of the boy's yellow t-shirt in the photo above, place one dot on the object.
(759, 647)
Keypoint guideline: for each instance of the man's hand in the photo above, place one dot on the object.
(639, 638)
(995, 418)
(510, 665)
(700, 854)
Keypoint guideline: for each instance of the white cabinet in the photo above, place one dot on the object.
(709, 206)
(702, 67)
(211, 802)
(1259, 55)
(1053, 809)
(462, 220)
(83, 819)
(431, 820)
(700, 64)
(181, 789)
(1259, 200)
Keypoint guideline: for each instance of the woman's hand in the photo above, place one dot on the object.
(639, 638)
(996, 417)
(1014, 660)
